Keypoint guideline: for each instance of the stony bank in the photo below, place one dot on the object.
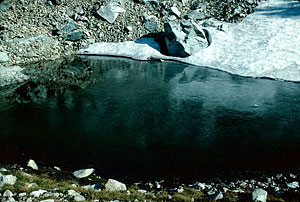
(38, 30)
(35, 183)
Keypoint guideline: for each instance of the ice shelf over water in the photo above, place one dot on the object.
(265, 44)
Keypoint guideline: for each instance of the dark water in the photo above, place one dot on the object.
(147, 120)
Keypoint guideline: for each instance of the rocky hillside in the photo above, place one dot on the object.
(36, 30)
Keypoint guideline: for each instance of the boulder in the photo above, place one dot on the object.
(195, 15)
(4, 57)
(83, 173)
(114, 185)
(32, 164)
(110, 11)
(174, 11)
(185, 39)
(259, 195)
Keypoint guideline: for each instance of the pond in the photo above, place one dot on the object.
(151, 120)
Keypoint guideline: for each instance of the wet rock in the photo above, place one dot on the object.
(4, 5)
(114, 185)
(111, 11)
(259, 195)
(83, 173)
(31, 163)
(75, 35)
(293, 185)
(4, 57)
(182, 40)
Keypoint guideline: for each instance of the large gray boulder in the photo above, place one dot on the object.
(185, 38)
(259, 195)
(110, 11)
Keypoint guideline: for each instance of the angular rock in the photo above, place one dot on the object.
(31, 163)
(184, 40)
(218, 196)
(174, 11)
(83, 173)
(111, 11)
(7, 179)
(259, 195)
(8, 193)
(114, 185)
(4, 57)
(70, 26)
(75, 35)
(56, 2)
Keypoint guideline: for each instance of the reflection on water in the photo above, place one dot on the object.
(150, 119)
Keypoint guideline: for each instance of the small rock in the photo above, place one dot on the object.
(22, 194)
(151, 25)
(8, 193)
(259, 195)
(57, 168)
(4, 6)
(293, 185)
(142, 191)
(4, 57)
(79, 198)
(38, 193)
(32, 164)
(174, 11)
(114, 185)
(72, 193)
(3, 170)
(218, 196)
(30, 185)
(83, 173)
(75, 35)
(111, 11)
(48, 200)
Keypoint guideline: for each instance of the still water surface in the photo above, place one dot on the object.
(145, 120)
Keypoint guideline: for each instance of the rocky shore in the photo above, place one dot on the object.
(35, 30)
(33, 183)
